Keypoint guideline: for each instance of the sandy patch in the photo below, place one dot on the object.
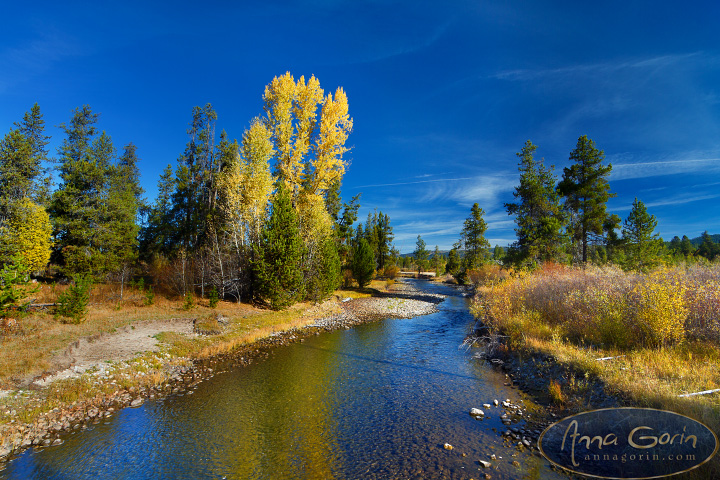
(123, 344)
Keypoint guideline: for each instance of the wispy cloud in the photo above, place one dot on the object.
(384, 50)
(603, 68)
(679, 199)
(413, 183)
(19, 63)
(483, 190)
(626, 171)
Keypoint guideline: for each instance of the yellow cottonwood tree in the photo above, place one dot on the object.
(307, 98)
(335, 126)
(256, 187)
(309, 155)
(247, 184)
(30, 234)
(279, 98)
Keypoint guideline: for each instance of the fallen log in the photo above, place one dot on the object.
(699, 393)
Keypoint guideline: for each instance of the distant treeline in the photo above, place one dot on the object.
(565, 221)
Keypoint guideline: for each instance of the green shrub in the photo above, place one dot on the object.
(213, 296)
(149, 295)
(189, 301)
(72, 305)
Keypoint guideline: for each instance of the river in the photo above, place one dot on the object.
(377, 401)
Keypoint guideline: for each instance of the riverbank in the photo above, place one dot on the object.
(105, 373)
(580, 340)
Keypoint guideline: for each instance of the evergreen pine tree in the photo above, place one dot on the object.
(686, 247)
(79, 203)
(642, 245)
(32, 127)
(586, 192)
(675, 245)
(437, 260)
(538, 213)
(421, 255)
(453, 262)
(344, 230)
(363, 264)
(124, 200)
(195, 181)
(708, 248)
(473, 239)
(498, 253)
(156, 234)
(277, 263)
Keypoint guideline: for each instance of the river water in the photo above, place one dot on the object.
(377, 401)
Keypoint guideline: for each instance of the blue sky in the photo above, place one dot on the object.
(443, 94)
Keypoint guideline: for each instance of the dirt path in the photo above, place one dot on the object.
(124, 344)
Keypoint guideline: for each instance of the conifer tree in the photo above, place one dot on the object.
(78, 204)
(363, 264)
(421, 254)
(15, 176)
(278, 257)
(344, 231)
(326, 276)
(32, 126)
(453, 262)
(22, 153)
(194, 181)
(538, 213)
(586, 191)
(17, 169)
(437, 260)
(473, 239)
(498, 253)
(642, 245)
(708, 248)
(686, 247)
(156, 235)
(124, 201)
(675, 245)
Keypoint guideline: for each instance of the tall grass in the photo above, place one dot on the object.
(647, 337)
(608, 307)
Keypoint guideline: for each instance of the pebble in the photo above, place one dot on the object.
(485, 464)
(447, 446)
(486, 405)
(476, 412)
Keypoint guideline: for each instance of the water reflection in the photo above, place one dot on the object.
(377, 401)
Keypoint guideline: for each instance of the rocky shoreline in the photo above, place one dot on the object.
(182, 375)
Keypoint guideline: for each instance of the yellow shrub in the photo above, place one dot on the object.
(659, 309)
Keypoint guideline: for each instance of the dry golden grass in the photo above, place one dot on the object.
(29, 350)
(579, 316)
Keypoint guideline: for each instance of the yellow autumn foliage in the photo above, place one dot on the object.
(315, 222)
(246, 184)
(309, 154)
(335, 127)
(30, 234)
(605, 306)
(659, 309)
